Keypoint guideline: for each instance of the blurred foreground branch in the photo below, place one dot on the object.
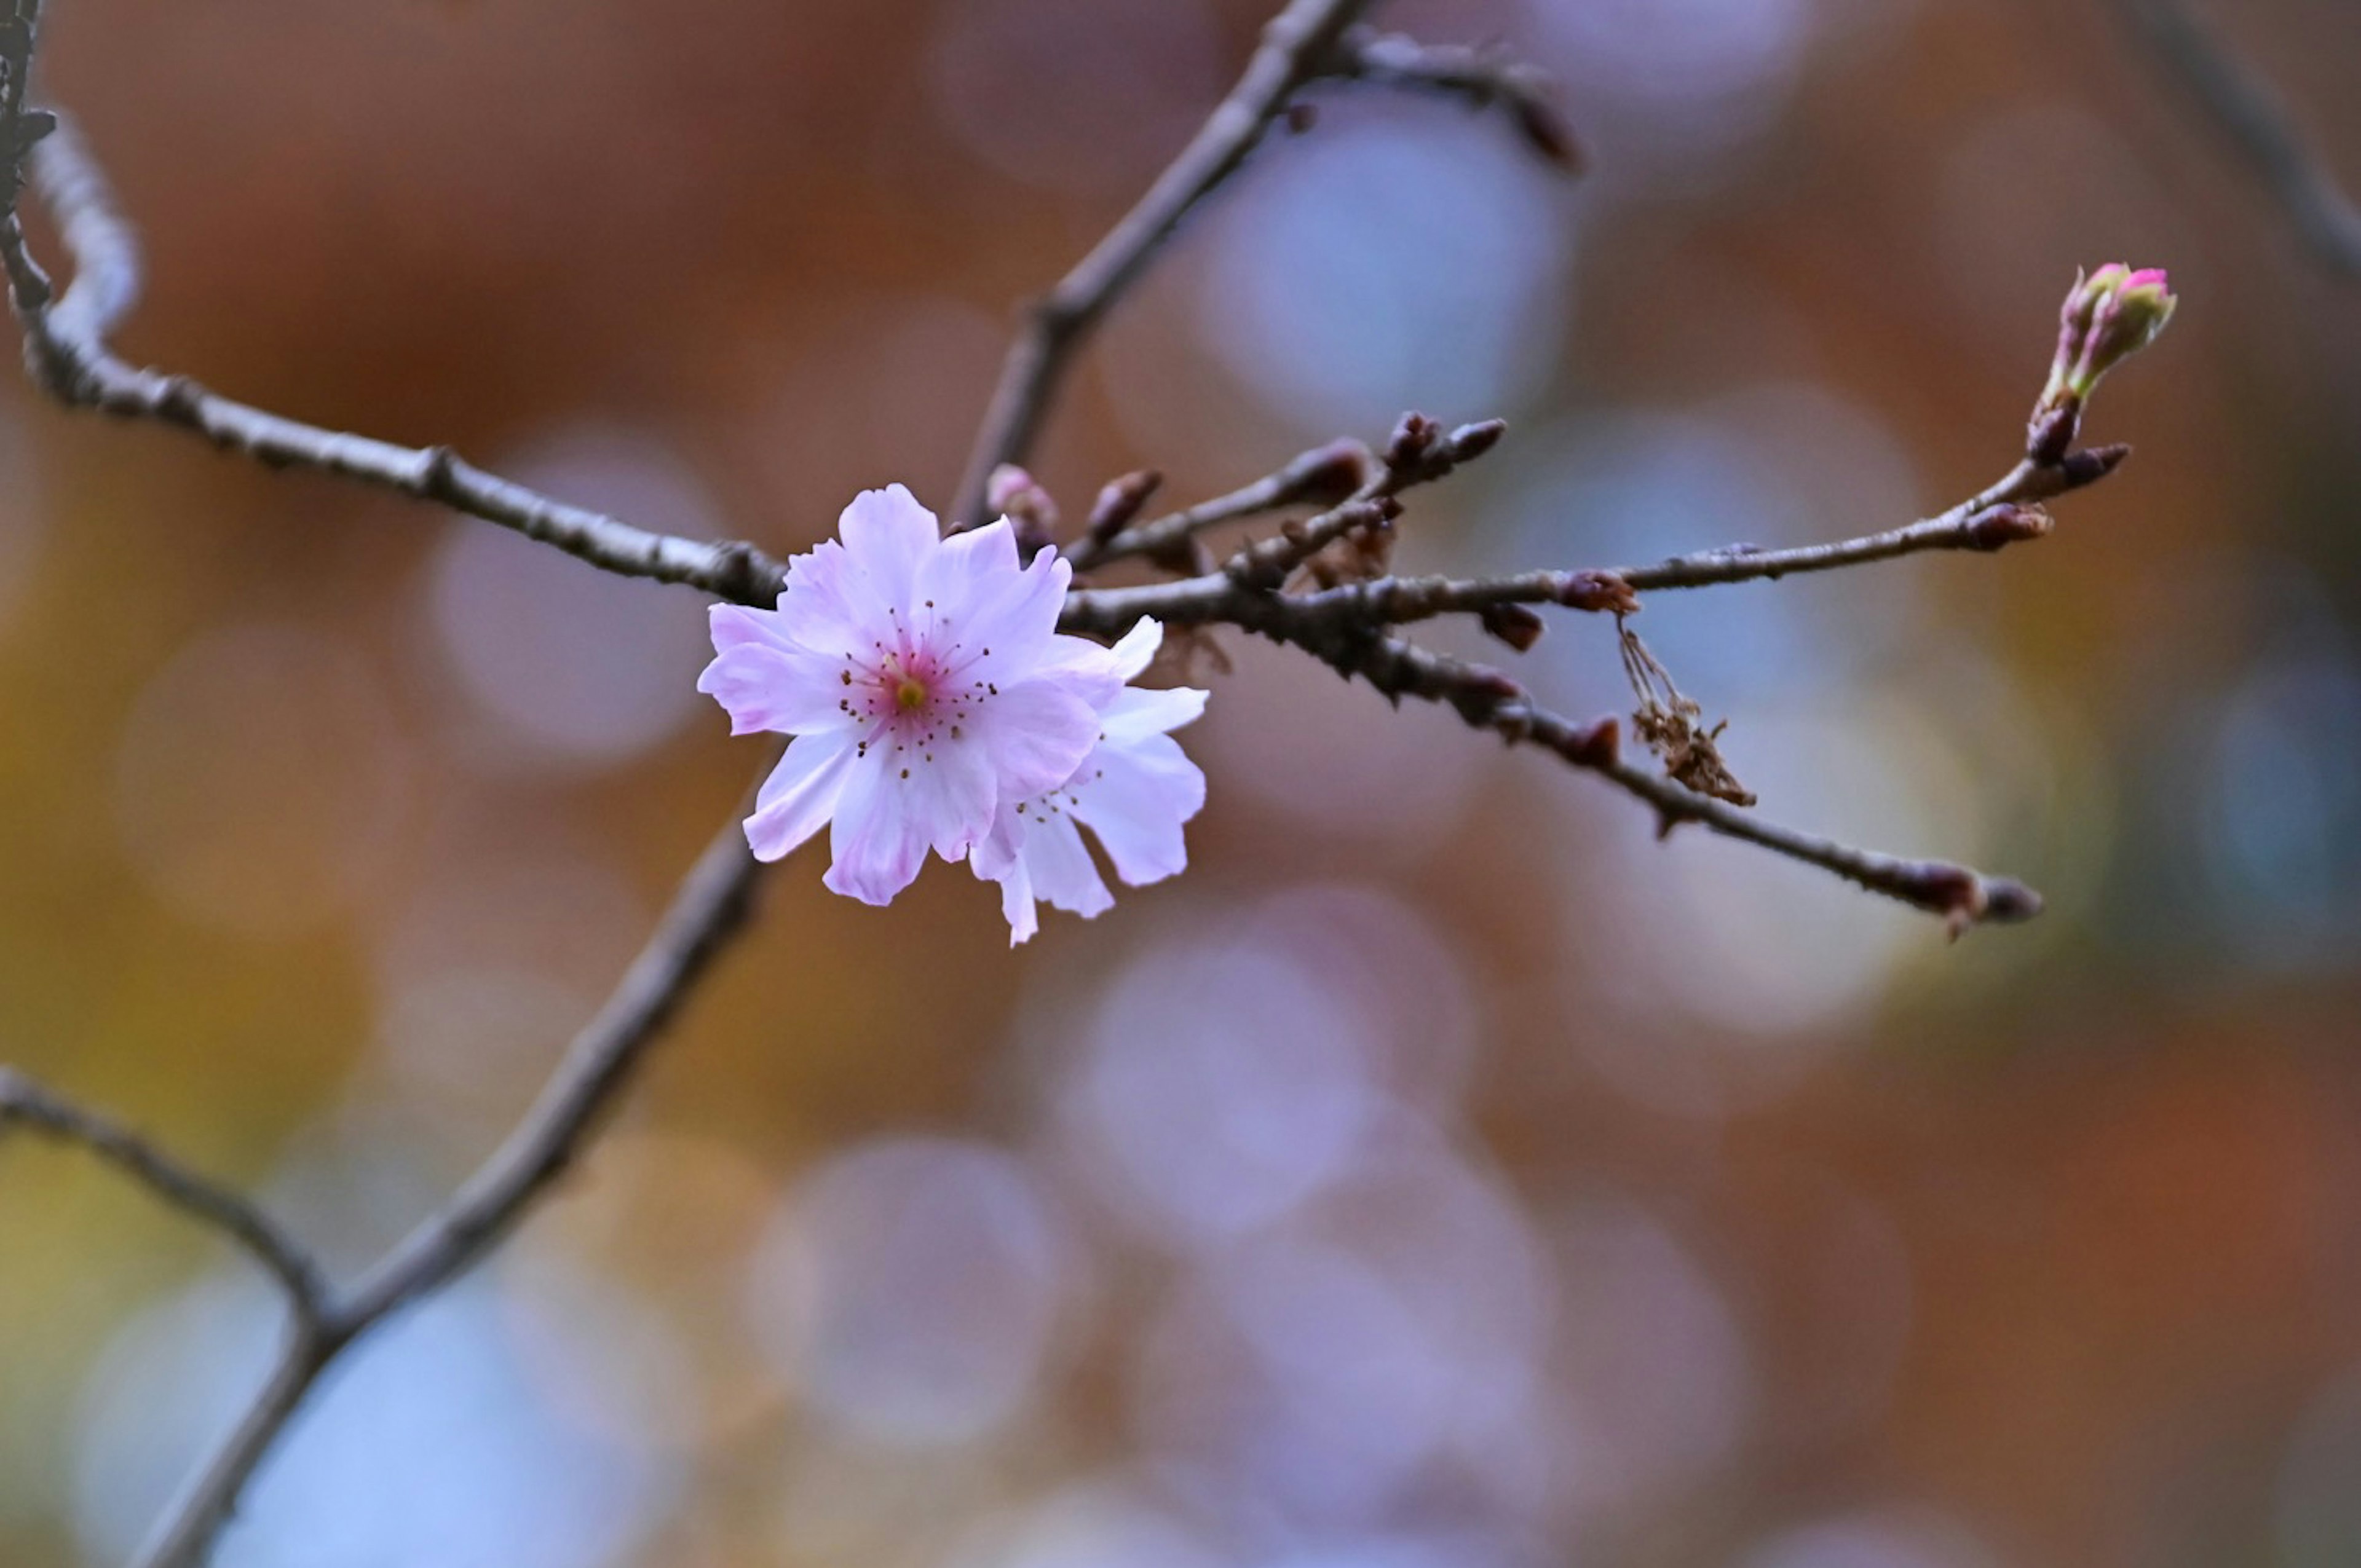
(2248, 110)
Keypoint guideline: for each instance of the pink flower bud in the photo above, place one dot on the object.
(1017, 494)
(2109, 315)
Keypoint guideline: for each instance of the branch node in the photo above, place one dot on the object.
(438, 475)
(1598, 591)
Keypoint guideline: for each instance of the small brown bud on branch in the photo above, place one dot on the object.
(1597, 744)
(1514, 624)
(1413, 439)
(2093, 464)
(1120, 502)
(1996, 528)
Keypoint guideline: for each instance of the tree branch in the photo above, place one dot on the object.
(1296, 48)
(26, 1103)
(1488, 699)
(2005, 514)
(2252, 115)
(68, 354)
(1482, 78)
(1323, 475)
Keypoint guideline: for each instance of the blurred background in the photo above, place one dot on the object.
(1443, 1174)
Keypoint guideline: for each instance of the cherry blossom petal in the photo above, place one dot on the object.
(1061, 869)
(764, 686)
(1130, 655)
(1137, 715)
(876, 846)
(733, 625)
(964, 561)
(888, 537)
(828, 607)
(1011, 633)
(1017, 905)
(800, 795)
(952, 796)
(1038, 733)
(998, 856)
(1134, 803)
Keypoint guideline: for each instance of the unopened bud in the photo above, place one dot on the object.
(1481, 694)
(1517, 625)
(1120, 502)
(2094, 463)
(1015, 494)
(2007, 901)
(2108, 316)
(1324, 476)
(1470, 442)
(1598, 744)
(1996, 528)
(1411, 440)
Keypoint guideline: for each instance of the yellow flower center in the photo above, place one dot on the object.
(910, 695)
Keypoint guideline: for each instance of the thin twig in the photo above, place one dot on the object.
(2007, 514)
(1395, 601)
(1323, 475)
(1482, 78)
(2253, 115)
(1296, 48)
(1488, 699)
(26, 1103)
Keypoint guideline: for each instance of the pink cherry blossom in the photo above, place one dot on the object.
(926, 685)
(1133, 792)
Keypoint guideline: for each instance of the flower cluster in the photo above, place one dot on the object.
(935, 705)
